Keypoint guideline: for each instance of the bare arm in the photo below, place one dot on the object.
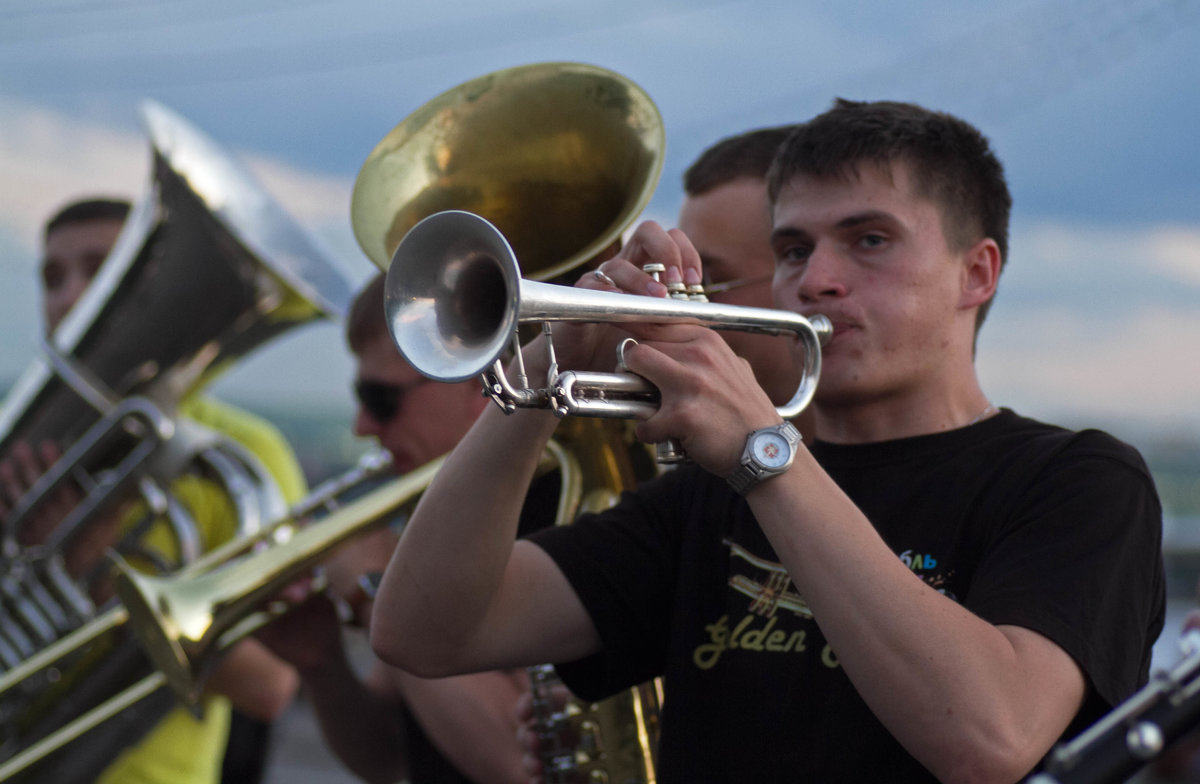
(257, 682)
(972, 701)
(471, 719)
(459, 595)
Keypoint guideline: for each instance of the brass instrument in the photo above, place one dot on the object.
(454, 298)
(329, 498)
(183, 622)
(572, 133)
(582, 144)
(575, 141)
(585, 742)
(616, 739)
(207, 268)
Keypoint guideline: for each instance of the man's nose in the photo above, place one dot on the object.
(823, 275)
(365, 424)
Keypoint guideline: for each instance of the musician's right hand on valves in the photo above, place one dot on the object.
(593, 346)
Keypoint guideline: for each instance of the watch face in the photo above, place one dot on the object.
(771, 449)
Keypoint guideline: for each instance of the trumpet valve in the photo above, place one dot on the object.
(675, 289)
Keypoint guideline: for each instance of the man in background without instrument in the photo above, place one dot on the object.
(180, 748)
(726, 216)
(395, 725)
(925, 593)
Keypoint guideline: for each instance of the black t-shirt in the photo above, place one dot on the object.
(1020, 522)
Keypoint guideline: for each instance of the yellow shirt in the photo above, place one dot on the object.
(182, 749)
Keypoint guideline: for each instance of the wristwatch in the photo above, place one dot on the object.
(769, 452)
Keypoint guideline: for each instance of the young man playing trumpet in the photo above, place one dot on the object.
(925, 593)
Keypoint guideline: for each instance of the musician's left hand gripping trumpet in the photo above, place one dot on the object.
(454, 300)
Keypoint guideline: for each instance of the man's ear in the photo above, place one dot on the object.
(981, 273)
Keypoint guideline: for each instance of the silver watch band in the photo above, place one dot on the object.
(744, 477)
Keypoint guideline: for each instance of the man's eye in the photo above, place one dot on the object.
(52, 277)
(872, 240)
(794, 253)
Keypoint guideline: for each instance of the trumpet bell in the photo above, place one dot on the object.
(575, 141)
(452, 296)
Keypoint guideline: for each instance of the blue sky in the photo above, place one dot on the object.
(1093, 105)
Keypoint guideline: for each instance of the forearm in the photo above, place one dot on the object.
(968, 699)
(257, 682)
(437, 597)
(362, 726)
(472, 721)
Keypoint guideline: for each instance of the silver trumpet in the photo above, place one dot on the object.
(454, 299)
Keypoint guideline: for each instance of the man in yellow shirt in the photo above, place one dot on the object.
(258, 686)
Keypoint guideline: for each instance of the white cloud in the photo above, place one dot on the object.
(1176, 251)
(48, 158)
(1098, 325)
(1138, 369)
(1082, 254)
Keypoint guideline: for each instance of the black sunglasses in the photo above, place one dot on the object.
(382, 400)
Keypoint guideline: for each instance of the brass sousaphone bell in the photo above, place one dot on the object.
(561, 157)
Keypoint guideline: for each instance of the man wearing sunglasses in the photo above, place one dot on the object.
(413, 418)
(392, 725)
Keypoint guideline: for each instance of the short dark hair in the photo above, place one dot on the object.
(952, 163)
(747, 154)
(365, 322)
(84, 210)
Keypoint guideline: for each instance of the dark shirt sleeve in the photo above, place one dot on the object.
(622, 564)
(1081, 564)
